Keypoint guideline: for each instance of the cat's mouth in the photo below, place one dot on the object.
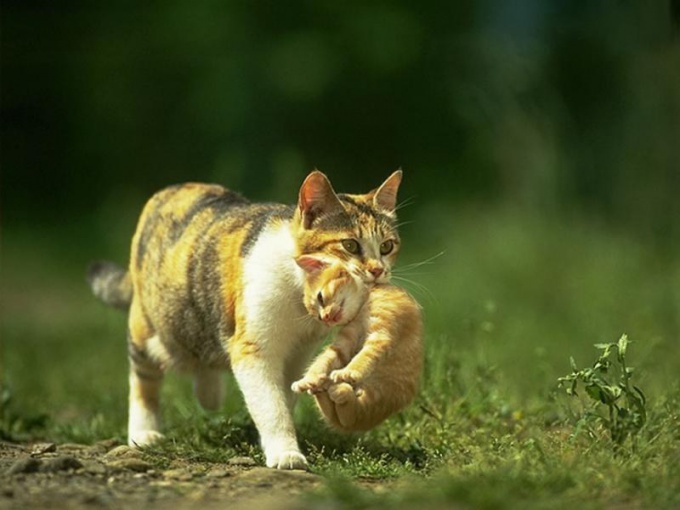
(332, 320)
(331, 317)
(375, 280)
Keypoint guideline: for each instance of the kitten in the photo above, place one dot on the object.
(372, 368)
(212, 284)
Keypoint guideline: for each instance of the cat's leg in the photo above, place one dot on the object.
(316, 377)
(261, 376)
(327, 408)
(345, 401)
(209, 387)
(334, 357)
(374, 349)
(146, 377)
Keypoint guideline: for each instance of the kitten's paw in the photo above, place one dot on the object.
(345, 375)
(288, 459)
(298, 386)
(310, 384)
(341, 393)
(144, 438)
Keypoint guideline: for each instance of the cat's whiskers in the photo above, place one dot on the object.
(415, 265)
(400, 274)
(402, 223)
(416, 287)
(304, 318)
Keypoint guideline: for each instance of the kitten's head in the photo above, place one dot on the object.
(360, 230)
(332, 293)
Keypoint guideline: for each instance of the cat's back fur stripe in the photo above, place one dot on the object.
(172, 210)
(187, 267)
(259, 216)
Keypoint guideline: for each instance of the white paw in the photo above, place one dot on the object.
(144, 438)
(289, 459)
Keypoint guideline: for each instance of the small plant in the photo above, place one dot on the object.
(608, 383)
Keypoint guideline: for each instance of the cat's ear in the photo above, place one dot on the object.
(311, 264)
(316, 198)
(385, 197)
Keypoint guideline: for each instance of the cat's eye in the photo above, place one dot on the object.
(386, 247)
(351, 245)
(319, 298)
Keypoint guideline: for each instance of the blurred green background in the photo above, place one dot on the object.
(539, 140)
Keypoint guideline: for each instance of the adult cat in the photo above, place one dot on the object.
(212, 283)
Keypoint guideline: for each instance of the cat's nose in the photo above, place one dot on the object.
(332, 316)
(376, 272)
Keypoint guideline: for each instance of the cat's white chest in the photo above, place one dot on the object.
(272, 294)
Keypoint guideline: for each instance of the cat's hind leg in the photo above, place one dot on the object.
(209, 388)
(327, 408)
(346, 403)
(146, 377)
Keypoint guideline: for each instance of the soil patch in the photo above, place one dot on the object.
(110, 475)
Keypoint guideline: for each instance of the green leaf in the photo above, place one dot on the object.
(623, 345)
(595, 393)
(642, 395)
(615, 391)
(608, 394)
(573, 363)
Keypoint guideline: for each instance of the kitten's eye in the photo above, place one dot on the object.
(351, 245)
(386, 247)
(319, 298)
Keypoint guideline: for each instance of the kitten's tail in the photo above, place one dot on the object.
(110, 283)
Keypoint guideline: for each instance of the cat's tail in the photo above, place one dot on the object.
(110, 283)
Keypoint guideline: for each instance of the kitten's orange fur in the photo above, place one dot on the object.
(372, 368)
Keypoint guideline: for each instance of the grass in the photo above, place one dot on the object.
(506, 305)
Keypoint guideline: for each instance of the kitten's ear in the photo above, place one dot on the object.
(385, 197)
(311, 264)
(316, 198)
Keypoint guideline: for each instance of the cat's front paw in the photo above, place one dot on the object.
(298, 386)
(288, 459)
(345, 375)
(144, 438)
(314, 383)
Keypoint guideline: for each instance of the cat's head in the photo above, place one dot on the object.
(332, 294)
(360, 230)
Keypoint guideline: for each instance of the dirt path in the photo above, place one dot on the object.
(109, 475)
